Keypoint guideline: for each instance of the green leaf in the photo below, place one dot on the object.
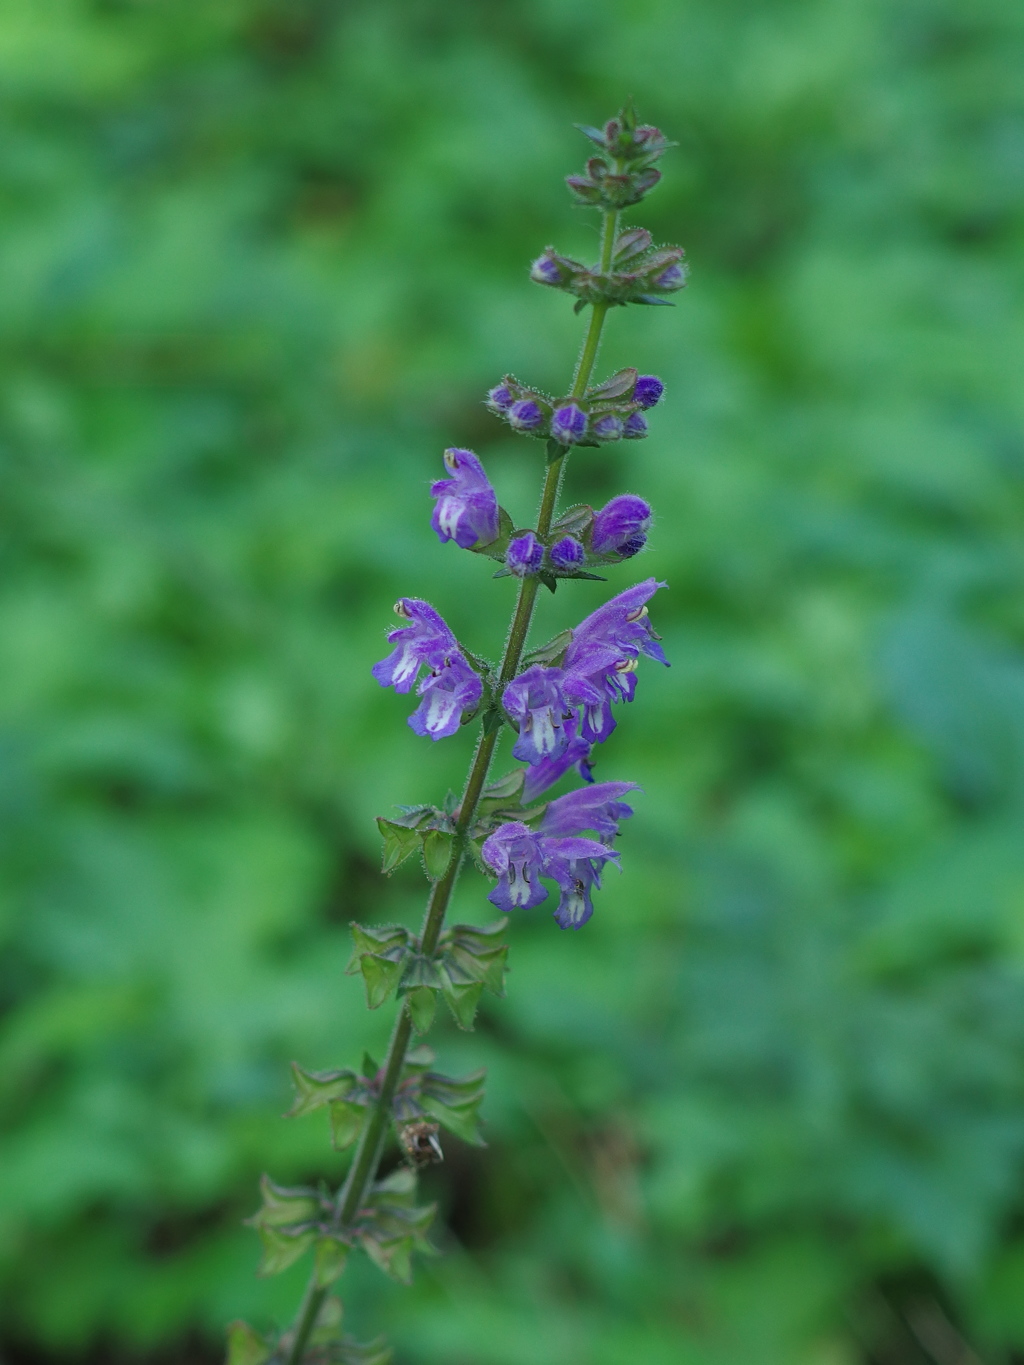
(419, 1059)
(317, 1088)
(329, 1259)
(455, 1091)
(380, 976)
(437, 853)
(464, 966)
(381, 939)
(421, 970)
(551, 652)
(246, 1346)
(394, 1258)
(618, 384)
(422, 1002)
(282, 1247)
(462, 1001)
(328, 1322)
(554, 450)
(350, 1352)
(505, 788)
(347, 1118)
(400, 1183)
(400, 842)
(463, 1121)
(283, 1205)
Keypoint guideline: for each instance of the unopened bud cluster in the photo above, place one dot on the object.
(640, 272)
(613, 411)
(624, 171)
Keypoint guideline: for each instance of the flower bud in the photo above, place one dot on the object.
(525, 415)
(636, 427)
(568, 424)
(621, 526)
(524, 555)
(672, 278)
(608, 427)
(567, 554)
(500, 399)
(648, 390)
(546, 270)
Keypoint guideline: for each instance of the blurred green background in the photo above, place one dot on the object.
(259, 259)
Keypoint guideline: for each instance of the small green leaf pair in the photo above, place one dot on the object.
(328, 1345)
(468, 959)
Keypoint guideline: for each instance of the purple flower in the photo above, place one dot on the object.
(499, 399)
(636, 426)
(597, 808)
(545, 270)
(568, 424)
(567, 554)
(426, 640)
(540, 776)
(447, 693)
(513, 852)
(526, 415)
(575, 864)
(450, 688)
(621, 526)
(519, 858)
(648, 390)
(535, 701)
(525, 554)
(600, 662)
(467, 508)
(608, 427)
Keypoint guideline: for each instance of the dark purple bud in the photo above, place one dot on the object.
(608, 428)
(567, 554)
(545, 271)
(597, 167)
(568, 424)
(585, 190)
(648, 390)
(621, 526)
(525, 415)
(636, 426)
(672, 278)
(525, 554)
(612, 131)
(500, 398)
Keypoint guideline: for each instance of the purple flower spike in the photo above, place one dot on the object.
(426, 640)
(451, 687)
(499, 399)
(621, 526)
(568, 424)
(467, 508)
(535, 702)
(524, 555)
(596, 808)
(567, 554)
(636, 427)
(608, 428)
(514, 854)
(575, 864)
(525, 415)
(648, 390)
(447, 693)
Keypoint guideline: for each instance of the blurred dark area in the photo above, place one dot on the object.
(259, 263)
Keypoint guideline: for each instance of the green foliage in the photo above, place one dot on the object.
(260, 262)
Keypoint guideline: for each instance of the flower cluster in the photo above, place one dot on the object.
(640, 272)
(613, 411)
(562, 708)
(519, 856)
(451, 690)
(623, 171)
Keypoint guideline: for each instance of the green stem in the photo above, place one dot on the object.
(363, 1170)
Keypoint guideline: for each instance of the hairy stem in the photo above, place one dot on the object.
(363, 1170)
